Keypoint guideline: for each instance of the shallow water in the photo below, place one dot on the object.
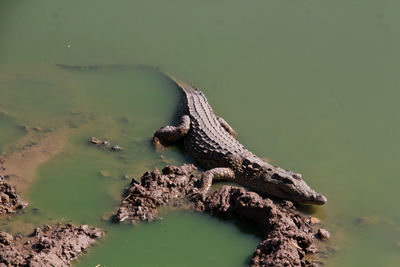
(311, 85)
(9, 131)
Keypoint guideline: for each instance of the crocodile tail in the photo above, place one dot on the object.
(186, 87)
(107, 66)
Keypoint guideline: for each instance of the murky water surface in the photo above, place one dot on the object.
(311, 85)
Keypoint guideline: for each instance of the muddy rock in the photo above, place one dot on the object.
(6, 238)
(323, 234)
(142, 199)
(94, 140)
(48, 246)
(314, 220)
(9, 199)
(288, 236)
(105, 144)
(116, 148)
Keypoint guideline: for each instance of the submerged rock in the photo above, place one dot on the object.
(288, 236)
(104, 173)
(48, 246)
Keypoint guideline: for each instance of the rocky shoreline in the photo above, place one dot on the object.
(47, 246)
(288, 236)
(10, 201)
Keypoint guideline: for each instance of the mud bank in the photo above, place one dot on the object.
(288, 236)
(47, 246)
(143, 198)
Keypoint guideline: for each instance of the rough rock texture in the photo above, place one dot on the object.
(9, 199)
(323, 234)
(47, 246)
(141, 200)
(288, 235)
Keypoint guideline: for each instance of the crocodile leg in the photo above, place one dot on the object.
(216, 173)
(170, 133)
(226, 126)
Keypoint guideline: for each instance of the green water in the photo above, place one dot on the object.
(9, 130)
(311, 85)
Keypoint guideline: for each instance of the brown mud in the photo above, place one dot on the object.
(143, 198)
(48, 246)
(288, 235)
(10, 201)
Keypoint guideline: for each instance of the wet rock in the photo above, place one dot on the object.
(142, 199)
(288, 235)
(314, 220)
(105, 144)
(9, 199)
(323, 234)
(48, 246)
(94, 140)
(135, 180)
(6, 238)
(22, 205)
(116, 148)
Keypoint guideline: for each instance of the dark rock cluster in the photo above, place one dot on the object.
(288, 235)
(9, 199)
(48, 246)
(142, 199)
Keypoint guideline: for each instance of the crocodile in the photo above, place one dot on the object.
(212, 142)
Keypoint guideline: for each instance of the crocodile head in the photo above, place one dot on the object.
(288, 185)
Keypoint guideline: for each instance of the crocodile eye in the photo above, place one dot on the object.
(287, 181)
(297, 176)
(276, 176)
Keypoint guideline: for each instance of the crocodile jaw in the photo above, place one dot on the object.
(288, 186)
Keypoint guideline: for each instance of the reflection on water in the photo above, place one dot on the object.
(310, 85)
